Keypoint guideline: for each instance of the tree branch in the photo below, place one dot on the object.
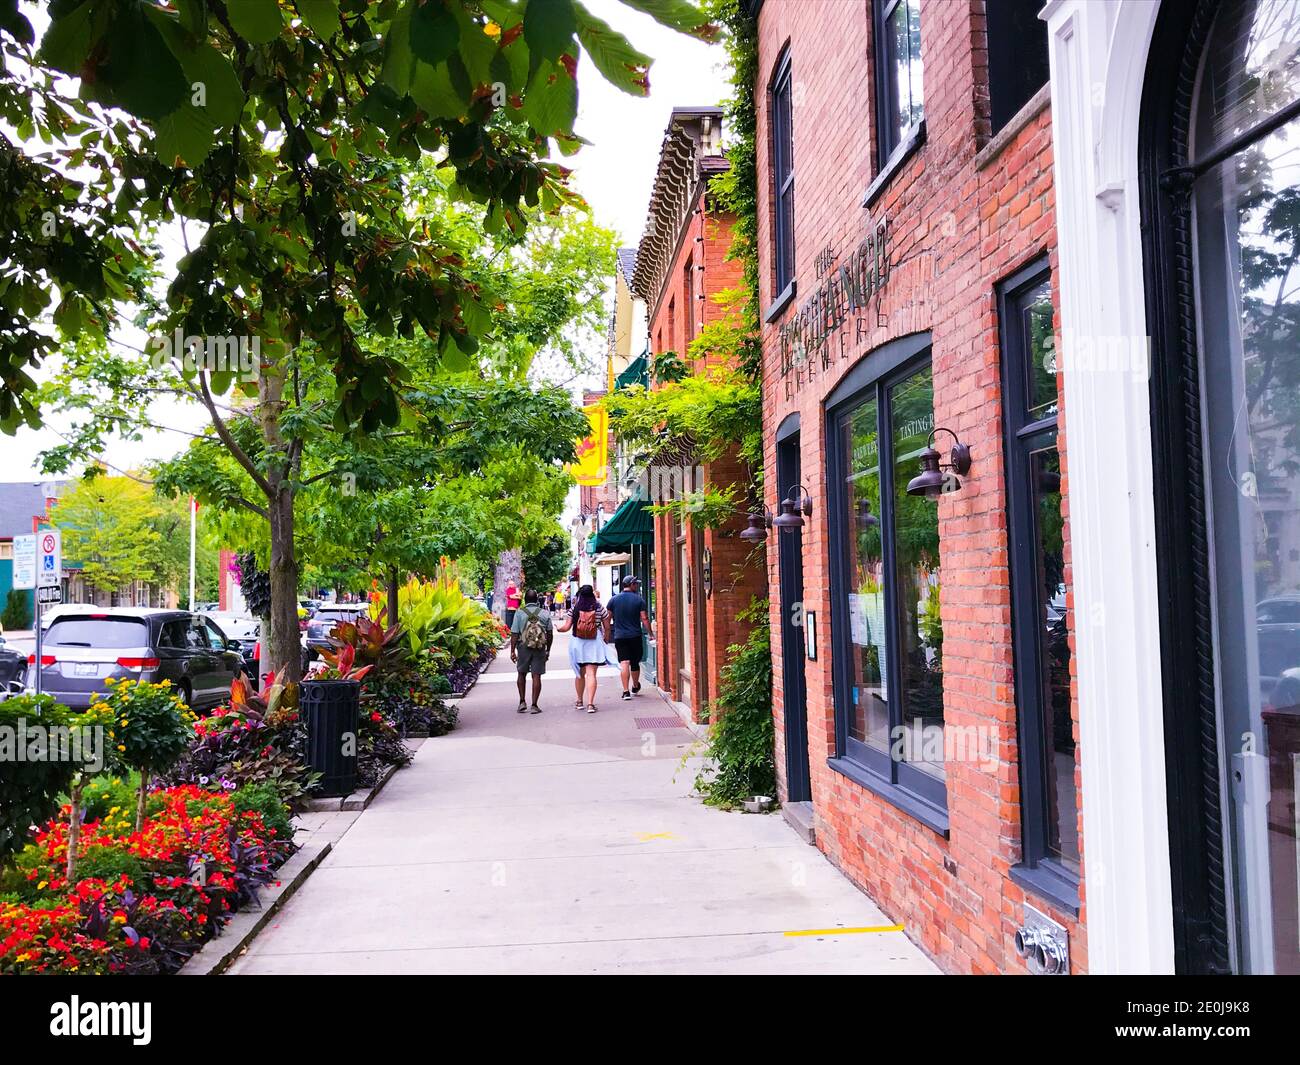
(223, 431)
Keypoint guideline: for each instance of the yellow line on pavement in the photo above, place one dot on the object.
(845, 931)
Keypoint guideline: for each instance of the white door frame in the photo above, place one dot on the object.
(1098, 53)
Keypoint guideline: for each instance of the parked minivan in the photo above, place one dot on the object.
(82, 650)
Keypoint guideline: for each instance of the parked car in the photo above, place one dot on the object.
(13, 668)
(82, 650)
(242, 631)
(316, 637)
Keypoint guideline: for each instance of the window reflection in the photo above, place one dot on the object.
(903, 56)
(1058, 726)
(916, 553)
(869, 694)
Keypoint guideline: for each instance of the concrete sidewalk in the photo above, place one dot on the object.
(565, 842)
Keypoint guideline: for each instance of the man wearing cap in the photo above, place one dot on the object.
(628, 610)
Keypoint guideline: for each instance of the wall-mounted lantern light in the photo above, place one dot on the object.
(756, 531)
(794, 508)
(932, 482)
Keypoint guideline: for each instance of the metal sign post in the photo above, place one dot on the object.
(49, 570)
(25, 577)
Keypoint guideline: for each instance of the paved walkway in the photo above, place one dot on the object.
(568, 843)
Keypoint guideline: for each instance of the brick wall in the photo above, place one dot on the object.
(737, 571)
(960, 221)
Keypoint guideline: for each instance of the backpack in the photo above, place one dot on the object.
(534, 635)
(587, 626)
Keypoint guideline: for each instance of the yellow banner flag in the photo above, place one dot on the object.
(593, 452)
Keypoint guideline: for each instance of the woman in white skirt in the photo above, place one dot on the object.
(589, 623)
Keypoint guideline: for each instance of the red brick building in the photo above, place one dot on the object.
(702, 576)
(925, 716)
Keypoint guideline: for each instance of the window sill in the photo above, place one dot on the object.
(897, 160)
(779, 304)
(1050, 883)
(933, 817)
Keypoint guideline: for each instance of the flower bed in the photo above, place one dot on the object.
(153, 896)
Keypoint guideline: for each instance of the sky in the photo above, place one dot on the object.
(615, 173)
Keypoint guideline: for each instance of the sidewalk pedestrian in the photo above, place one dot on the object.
(589, 623)
(512, 604)
(531, 636)
(628, 611)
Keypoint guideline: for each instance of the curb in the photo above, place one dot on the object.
(217, 954)
(355, 800)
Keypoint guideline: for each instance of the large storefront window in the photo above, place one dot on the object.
(1227, 394)
(888, 631)
(1248, 244)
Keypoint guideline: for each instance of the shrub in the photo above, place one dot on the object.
(108, 862)
(30, 786)
(153, 728)
(17, 612)
(741, 735)
(264, 798)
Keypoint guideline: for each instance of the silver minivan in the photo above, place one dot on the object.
(83, 649)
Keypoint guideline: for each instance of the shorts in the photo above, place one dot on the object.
(629, 650)
(531, 660)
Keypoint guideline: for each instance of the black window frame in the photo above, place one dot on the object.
(897, 782)
(891, 146)
(780, 102)
(1025, 434)
(1017, 68)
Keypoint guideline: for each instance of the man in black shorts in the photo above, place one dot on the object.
(628, 611)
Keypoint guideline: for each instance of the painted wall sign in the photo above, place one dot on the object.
(814, 333)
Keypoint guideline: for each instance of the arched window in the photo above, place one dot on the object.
(1221, 153)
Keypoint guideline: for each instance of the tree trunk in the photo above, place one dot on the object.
(509, 570)
(74, 828)
(140, 801)
(394, 578)
(285, 644)
(285, 648)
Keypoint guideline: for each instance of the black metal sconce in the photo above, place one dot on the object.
(932, 482)
(794, 509)
(756, 531)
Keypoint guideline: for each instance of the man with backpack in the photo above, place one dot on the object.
(531, 636)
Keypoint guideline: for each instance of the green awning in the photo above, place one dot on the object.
(637, 373)
(631, 525)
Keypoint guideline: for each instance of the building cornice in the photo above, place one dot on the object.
(691, 154)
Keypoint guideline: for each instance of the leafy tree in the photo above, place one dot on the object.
(108, 525)
(550, 563)
(288, 140)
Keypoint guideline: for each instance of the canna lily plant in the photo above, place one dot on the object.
(341, 665)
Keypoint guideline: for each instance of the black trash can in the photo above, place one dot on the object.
(332, 711)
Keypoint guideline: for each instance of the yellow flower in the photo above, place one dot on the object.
(42, 884)
(23, 957)
(121, 746)
(492, 30)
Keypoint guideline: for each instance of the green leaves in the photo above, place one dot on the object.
(551, 102)
(434, 32)
(138, 72)
(549, 26)
(257, 21)
(321, 15)
(613, 54)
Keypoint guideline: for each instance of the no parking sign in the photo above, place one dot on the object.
(49, 558)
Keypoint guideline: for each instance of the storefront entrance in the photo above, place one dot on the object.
(1223, 257)
(793, 634)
